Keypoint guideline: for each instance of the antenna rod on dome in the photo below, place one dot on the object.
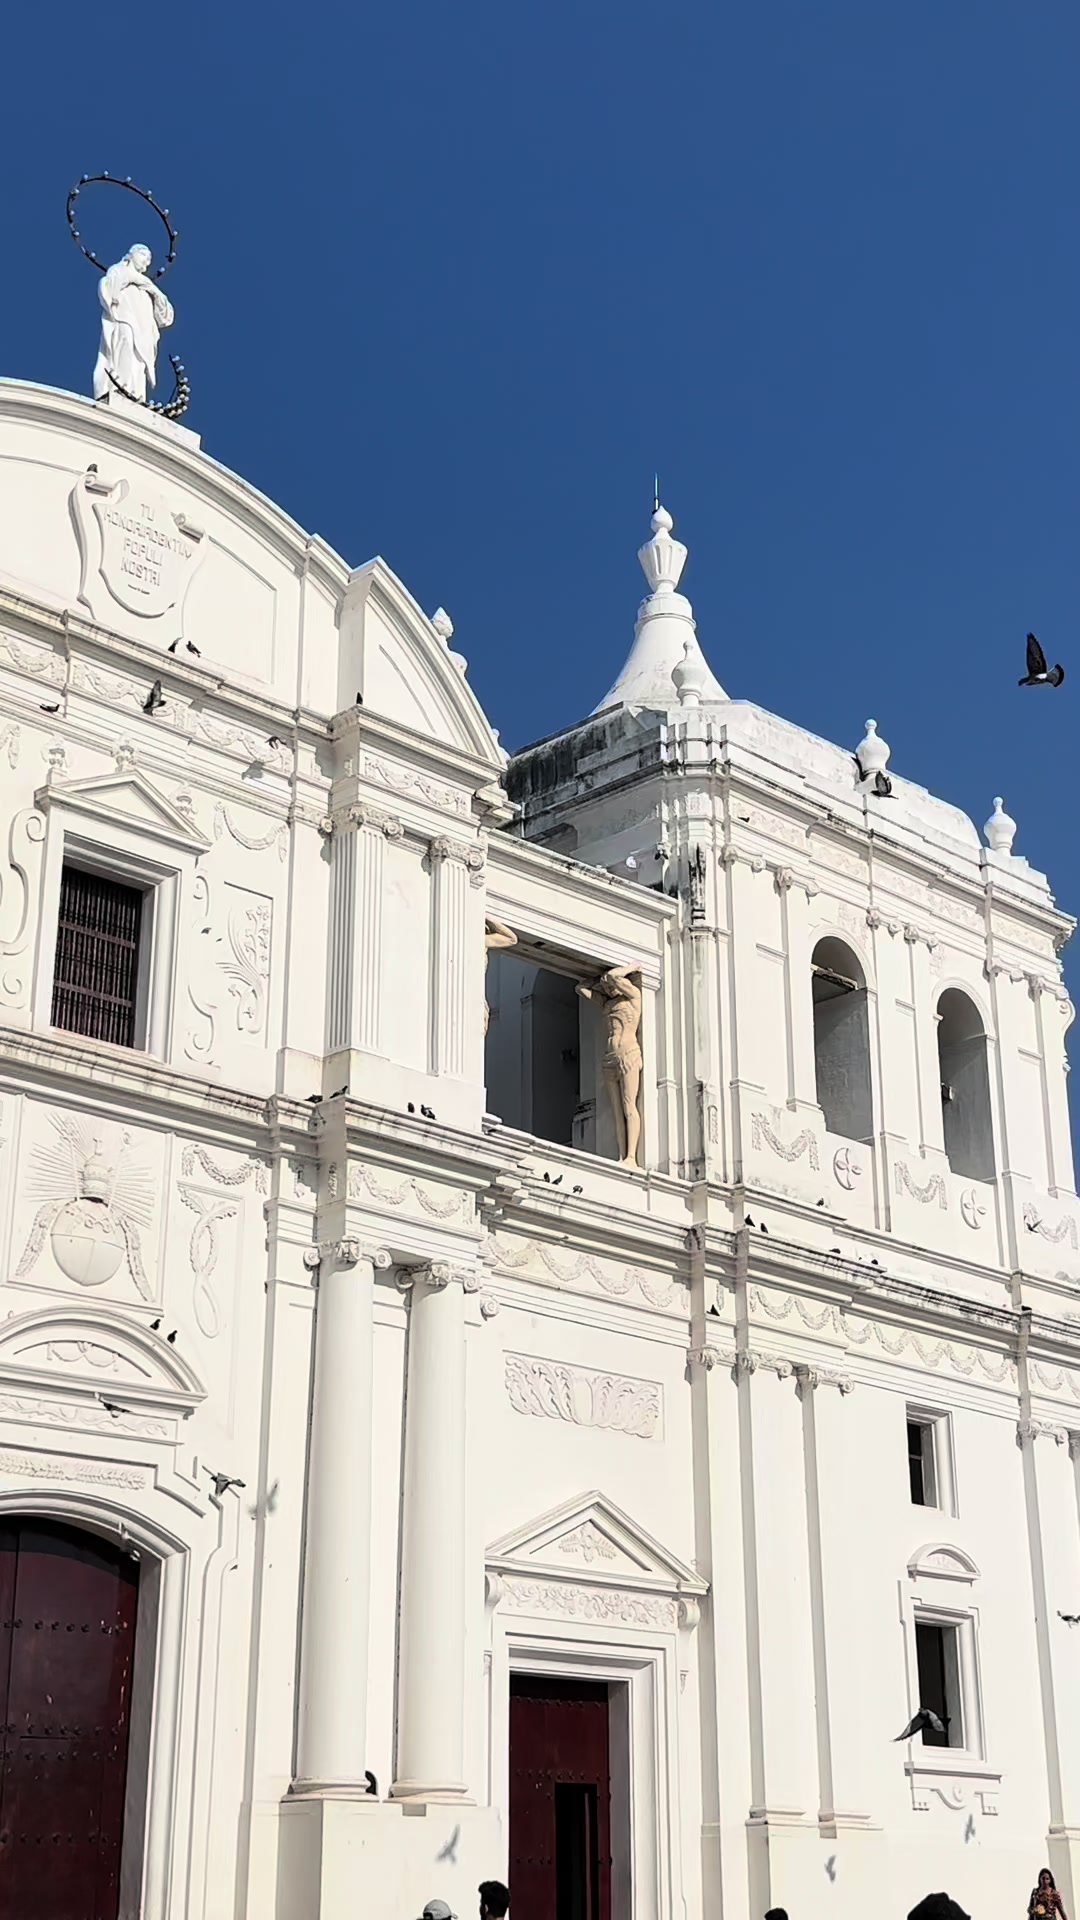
(656, 493)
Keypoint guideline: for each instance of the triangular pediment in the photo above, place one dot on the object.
(591, 1538)
(85, 1350)
(126, 797)
(408, 673)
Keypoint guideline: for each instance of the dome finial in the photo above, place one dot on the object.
(662, 558)
(1000, 831)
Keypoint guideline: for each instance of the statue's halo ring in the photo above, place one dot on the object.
(112, 180)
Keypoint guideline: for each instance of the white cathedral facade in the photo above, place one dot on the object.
(398, 1491)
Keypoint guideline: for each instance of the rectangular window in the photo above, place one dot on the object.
(937, 1652)
(96, 974)
(920, 1448)
(930, 1460)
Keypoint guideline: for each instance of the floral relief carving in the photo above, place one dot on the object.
(933, 1190)
(789, 1150)
(96, 1200)
(588, 1543)
(203, 1253)
(240, 741)
(252, 843)
(406, 781)
(72, 1353)
(62, 1468)
(590, 1603)
(1065, 1229)
(40, 662)
(80, 1417)
(253, 1170)
(249, 922)
(551, 1390)
(580, 1269)
(17, 890)
(397, 1193)
(202, 1029)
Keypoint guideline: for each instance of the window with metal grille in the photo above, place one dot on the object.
(95, 982)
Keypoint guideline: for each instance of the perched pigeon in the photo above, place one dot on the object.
(882, 785)
(173, 644)
(1038, 673)
(925, 1721)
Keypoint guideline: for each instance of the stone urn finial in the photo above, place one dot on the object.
(872, 752)
(690, 675)
(1000, 831)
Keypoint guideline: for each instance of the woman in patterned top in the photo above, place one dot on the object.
(1045, 1902)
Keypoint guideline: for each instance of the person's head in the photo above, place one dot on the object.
(437, 1910)
(494, 1900)
(1047, 1883)
(937, 1906)
(140, 257)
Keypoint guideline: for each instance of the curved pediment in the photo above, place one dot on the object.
(90, 1348)
(406, 670)
(942, 1561)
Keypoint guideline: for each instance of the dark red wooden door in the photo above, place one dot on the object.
(67, 1635)
(560, 1800)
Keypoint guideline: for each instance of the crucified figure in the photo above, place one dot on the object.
(495, 936)
(620, 1004)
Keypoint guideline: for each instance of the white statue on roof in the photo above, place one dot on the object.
(134, 314)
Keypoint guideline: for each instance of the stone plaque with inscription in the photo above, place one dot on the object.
(138, 551)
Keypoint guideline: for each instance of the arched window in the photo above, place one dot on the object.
(965, 1086)
(841, 1041)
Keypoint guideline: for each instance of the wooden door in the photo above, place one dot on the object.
(67, 1636)
(560, 1800)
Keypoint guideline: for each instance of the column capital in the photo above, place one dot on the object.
(358, 815)
(470, 853)
(808, 1377)
(436, 1274)
(707, 1357)
(1041, 1429)
(345, 1253)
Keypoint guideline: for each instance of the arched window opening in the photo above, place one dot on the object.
(841, 1041)
(965, 1087)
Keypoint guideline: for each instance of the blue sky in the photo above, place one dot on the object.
(454, 282)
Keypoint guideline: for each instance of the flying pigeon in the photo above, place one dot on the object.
(1070, 1619)
(273, 741)
(154, 699)
(882, 785)
(1038, 673)
(925, 1721)
(222, 1483)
